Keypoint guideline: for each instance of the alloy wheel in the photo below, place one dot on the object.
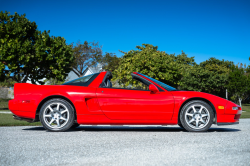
(197, 116)
(56, 115)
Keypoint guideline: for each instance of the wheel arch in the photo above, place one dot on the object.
(53, 97)
(202, 99)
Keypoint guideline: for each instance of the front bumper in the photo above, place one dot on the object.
(229, 119)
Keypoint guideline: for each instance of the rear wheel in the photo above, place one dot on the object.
(196, 116)
(57, 115)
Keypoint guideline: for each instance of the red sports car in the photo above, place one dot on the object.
(93, 100)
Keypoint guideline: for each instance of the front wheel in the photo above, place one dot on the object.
(180, 125)
(75, 125)
(57, 115)
(196, 116)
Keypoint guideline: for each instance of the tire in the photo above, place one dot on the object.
(196, 116)
(180, 125)
(75, 125)
(57, 115)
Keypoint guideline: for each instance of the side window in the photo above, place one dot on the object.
(136, 84)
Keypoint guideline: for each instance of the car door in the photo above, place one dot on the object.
(130, 104)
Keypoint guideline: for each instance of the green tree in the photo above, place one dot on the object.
(211, 62)
(147, 59)
(86, 54)
(110, 62)
(210, 76)
(7, 83)
(238, 86)
(54, 81)
(29, 54)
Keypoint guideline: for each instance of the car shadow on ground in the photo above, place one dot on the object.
(134, 129)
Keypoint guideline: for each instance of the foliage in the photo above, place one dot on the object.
(110, 62)
(27, 52)
(86, 55)
(239, 81)
(157, 64)
(7, 83)
(54, 81)
(210, 76)
(213, 62)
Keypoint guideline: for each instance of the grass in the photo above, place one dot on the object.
(7, 120)
(4, 104)
(245, 107)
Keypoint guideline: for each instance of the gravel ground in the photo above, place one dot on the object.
(128, 145)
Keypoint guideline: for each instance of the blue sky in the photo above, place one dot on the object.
(201, 28)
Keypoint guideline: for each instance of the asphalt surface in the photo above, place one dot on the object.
(129, 145)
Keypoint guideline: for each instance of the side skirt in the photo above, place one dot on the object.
(221, 124)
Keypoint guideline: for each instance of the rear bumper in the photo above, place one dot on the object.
(24, 119)
(21, 110)
(13, 105)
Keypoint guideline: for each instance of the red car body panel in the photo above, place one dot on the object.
(127, 104)
(96, 105)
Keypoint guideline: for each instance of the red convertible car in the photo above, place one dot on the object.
(93, 100)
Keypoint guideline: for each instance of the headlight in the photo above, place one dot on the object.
(236, 108)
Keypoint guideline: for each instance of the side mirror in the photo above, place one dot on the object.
(153, 88)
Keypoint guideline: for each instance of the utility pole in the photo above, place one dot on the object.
(226, 94)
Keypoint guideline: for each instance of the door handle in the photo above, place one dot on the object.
(102, 91)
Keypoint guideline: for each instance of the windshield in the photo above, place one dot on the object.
(165, 86)
(80, 80)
